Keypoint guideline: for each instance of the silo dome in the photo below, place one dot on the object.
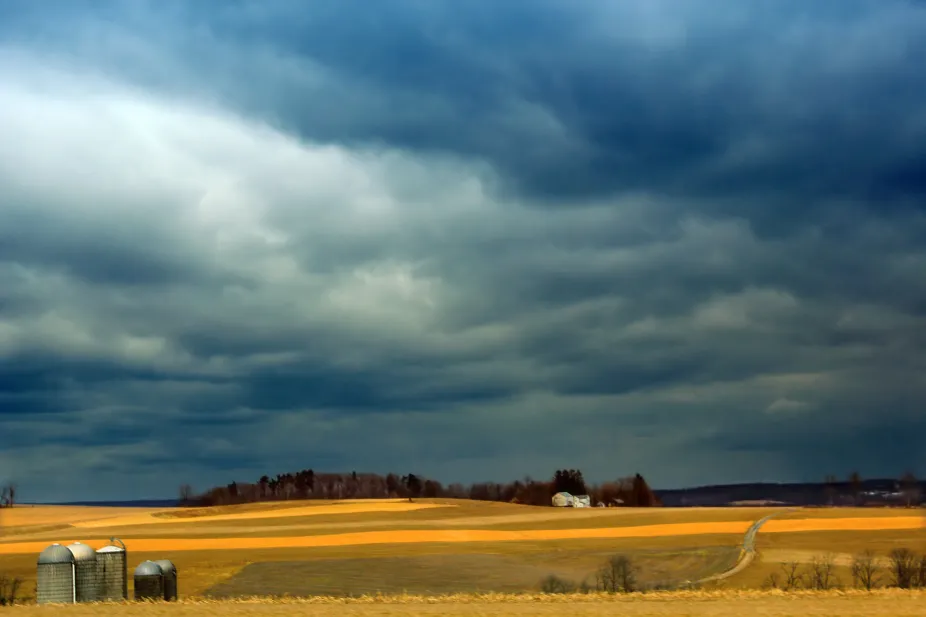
(148, 568)
(56, 554)
(82, 552)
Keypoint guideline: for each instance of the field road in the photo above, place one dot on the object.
(749, 549)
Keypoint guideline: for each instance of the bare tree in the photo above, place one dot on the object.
(921, 572)
(903, 568)
(829, 488)
(910, 488)
(772, 582)
(617, 575)
(585, 586)
(792, 574)
(865, 570)
(8, 495)
(186, 494)
(821, 573)
(9, 588)
(855, 484)
(555, 584)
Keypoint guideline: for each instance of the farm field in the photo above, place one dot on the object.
(893, 603)
(446, 546)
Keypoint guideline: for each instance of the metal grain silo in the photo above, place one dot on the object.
(112, 572)
(170, 578)
(85, 574)
(149, 581)
(56, 579)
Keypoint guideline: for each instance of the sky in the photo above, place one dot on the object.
(468, 240)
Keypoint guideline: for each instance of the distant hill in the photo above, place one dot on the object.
(875, 492)
(138, 503)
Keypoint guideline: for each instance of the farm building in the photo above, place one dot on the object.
(112, 572)
(582, 501)
(86, 579)
(170, 578)
(562, 500)
(149, 581)
(56, 581)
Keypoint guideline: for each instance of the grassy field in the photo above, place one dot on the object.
(893, 603)
(446, 546)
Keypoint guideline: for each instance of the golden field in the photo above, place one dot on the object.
(447, 546)
(893, 603)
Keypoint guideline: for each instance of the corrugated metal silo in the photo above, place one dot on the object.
(56, 580)
(85, 574)
(170, 578)
(149, 581)
(112, 572)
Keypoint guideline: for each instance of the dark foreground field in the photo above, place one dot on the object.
(464, 573)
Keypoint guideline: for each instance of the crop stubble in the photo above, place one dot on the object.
(895, 603)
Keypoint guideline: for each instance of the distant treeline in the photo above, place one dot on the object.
(630, 491)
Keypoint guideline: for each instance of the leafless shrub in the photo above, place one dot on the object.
(555, 584)
(586, 587)
(820, 574)
(772, 581)
(865, 570)
(904, 568)
(921, 572)
(792, 575)
(617, 575)
(9, 588)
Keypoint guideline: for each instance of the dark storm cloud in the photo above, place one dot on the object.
(780, 101)
(244, 237)
(841, 440)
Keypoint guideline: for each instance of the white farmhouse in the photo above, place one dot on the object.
(582, 501)
(563, 500)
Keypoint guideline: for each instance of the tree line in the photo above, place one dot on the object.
(630, 491)
(7, 495)
(902, 568)
(850, 492)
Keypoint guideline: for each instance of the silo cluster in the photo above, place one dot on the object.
(72, 574)
(77, 573)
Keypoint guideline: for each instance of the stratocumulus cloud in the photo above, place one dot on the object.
(472, 242)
